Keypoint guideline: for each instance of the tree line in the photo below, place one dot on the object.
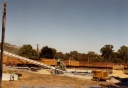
(107, 54)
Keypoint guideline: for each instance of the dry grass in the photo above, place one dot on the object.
(32, 80)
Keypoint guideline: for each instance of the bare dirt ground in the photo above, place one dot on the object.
(34, 80)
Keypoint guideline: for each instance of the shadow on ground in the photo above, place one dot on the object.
(122, 84)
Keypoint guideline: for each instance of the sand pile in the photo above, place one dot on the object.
(119, 73)
(42, 71)
(114, 80)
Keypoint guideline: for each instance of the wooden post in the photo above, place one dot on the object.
(2, 42)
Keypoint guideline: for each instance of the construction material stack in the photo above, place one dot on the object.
(100, 75)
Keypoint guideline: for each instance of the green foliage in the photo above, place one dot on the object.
(82, 57)
(60, 55)
(74, 55)
(93, 57)
(121, 56)
(123, 53)
(27, 51)
(47, 52)
(99, 58)
(107, 52)
(67, 56)
(116, 60)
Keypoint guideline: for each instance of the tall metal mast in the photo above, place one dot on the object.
(2, 41)
(37, 56)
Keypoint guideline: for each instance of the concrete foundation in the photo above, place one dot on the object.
(9, 77)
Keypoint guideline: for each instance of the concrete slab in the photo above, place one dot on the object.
(78, 76)
(78, 70)
(9, 77)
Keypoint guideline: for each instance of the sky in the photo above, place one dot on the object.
(67, 25)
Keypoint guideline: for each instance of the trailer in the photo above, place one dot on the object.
(100, 75)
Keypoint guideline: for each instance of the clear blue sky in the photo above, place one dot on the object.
(67, 25)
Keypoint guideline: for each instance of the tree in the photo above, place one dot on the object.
(74, 55)
(107, 52)
(27, 51)
(123, 53)
(67, 56)
(82, 57)
(99, 58)
(60, 55)
(47, 52)
(92, 56)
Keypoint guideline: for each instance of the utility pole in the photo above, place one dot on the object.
(2, 42)
(37, 51)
